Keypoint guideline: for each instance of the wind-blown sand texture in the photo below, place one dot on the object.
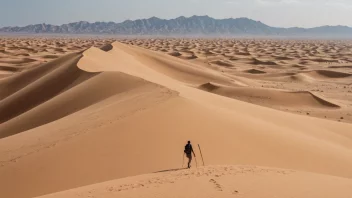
(19, 54)
(306, 77)
(112, 121)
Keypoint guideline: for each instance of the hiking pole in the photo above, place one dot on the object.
(201, 154)
(195, 158)
(183, 159)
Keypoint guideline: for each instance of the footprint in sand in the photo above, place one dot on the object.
(216, 185)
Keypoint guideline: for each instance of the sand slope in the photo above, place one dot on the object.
(23, 53)
(132, 113)
(270, 97)
(219, 181)
(320, 67)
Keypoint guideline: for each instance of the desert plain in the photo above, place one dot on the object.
(99, 117)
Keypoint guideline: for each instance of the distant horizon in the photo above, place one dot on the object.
(275, 13)
(107, 21)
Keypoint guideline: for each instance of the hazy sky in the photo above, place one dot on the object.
(279, 13)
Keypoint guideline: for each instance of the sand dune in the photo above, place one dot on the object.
(328, 74)
(255, 71)
(9, 69)
(293, 66)
(50, 85)
(339, 67)
(121, 110)
(270, 97)
(69, 100)
(219, 181)
(222, 63)
(28, 51)
(260, 62)
(17, 61)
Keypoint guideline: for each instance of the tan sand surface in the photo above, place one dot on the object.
(121, 110)
(19, 54)
(219, 181)
(319, 69)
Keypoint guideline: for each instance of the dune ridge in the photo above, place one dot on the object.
(319, 67)
(270, 97)
(329, 74)
(18, 54)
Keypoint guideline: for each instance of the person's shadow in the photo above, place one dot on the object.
(170, 170)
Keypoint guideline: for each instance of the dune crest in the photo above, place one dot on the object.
(270, 97)
(319, 67)
(18, 55)
(328, 74)
(255, 71)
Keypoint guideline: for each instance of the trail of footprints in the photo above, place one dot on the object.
(216, 184)
(214, 173)
(219, 187)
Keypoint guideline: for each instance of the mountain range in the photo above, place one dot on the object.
(181, 26)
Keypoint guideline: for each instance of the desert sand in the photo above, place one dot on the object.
(272, 119)
(20, 54)
(305, 77)
(219, 181)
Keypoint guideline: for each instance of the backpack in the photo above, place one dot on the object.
(188, 149)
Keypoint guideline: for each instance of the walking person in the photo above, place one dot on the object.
(188, 151)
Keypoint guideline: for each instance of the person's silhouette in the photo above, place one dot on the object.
(188, 151)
